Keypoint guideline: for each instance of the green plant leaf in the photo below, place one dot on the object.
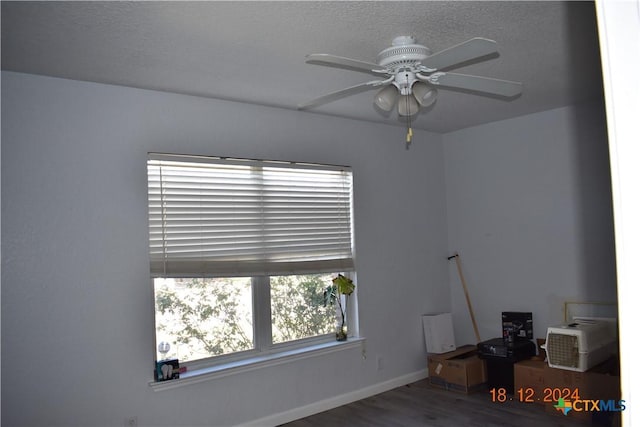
(329, 295)
(344, 285)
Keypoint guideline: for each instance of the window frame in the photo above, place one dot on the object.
(262, 334)
(261, 305)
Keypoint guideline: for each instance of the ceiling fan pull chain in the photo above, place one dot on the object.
(409, 130)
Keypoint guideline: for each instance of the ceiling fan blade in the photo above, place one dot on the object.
(342, 62)
(488, 85)
(342, 93)
(465, 51)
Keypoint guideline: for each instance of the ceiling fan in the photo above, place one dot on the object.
(410, 75)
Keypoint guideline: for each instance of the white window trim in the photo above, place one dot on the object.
(263, 347)
(258, 362)
(265, 353)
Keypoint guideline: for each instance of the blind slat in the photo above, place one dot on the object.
(216, 217)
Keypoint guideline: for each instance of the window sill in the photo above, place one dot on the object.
(258, 362)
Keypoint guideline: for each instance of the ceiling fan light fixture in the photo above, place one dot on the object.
(409, 75)
(407, 105)
(386, 97)
(424, 94)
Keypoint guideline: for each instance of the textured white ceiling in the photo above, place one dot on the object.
(254, 51)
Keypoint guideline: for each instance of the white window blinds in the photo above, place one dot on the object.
(220, 217)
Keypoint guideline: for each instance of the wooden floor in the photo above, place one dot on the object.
(419, 404)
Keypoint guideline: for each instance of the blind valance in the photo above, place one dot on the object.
(213, 217)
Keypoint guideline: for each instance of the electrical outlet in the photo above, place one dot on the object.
(131, 422)
(379, 363)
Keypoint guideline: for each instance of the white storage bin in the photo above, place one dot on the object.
(438, 332)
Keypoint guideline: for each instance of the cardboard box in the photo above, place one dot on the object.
(438, 332)
(529, 374)
(459, 370)
(600, 383)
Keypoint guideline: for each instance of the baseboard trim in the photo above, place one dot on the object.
(336, 401)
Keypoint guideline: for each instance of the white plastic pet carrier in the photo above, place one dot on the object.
(581, 345)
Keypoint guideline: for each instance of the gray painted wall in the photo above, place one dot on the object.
(529, 211)
(77, 301)
(527, 207)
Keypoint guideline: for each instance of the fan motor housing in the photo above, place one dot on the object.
(403, 52)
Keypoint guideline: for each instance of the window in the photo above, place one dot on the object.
(241, 251)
